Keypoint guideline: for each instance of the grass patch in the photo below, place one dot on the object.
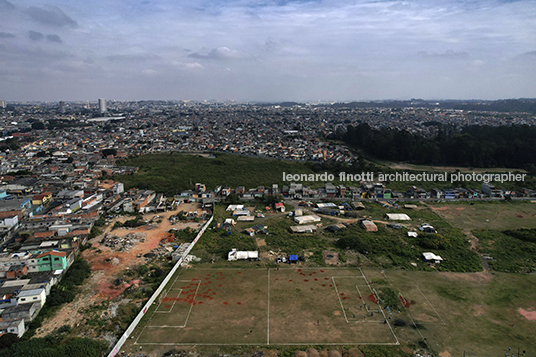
(172, 173)
(512, 251)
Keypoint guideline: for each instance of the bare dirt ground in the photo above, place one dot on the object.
(529, 315)
(106, 264)
(331, 258)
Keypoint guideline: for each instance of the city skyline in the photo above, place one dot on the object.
(267, 51)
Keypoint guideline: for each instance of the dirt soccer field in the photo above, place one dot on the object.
(481, 314)
(260, 307)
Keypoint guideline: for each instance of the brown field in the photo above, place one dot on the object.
(214, 308)
(490, 215)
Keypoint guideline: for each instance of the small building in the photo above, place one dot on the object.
(307, 219)
(425, 227)
(32, 296)
(241, 213)
(259, 228)
(229, 222)
(293, 259)
(16, 327)
(27, 312)
(16, 271)
(368, 225)
(412, 234)
(335, 227)
(51, 260)
(397, 217)
(245, 219)
(410, 206)
(234, 207)
(242, 255)
(432, 258)
(303, 229)
(279, 207)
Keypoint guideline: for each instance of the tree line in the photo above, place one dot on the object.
(474, 146)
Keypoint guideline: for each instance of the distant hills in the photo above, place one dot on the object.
(521, 105)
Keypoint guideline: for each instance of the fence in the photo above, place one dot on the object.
(142, 313)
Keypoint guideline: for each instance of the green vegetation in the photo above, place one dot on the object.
(131, 223)
(475, 146)
(511, 251)
(383, 351)
(94, 232)
(219, 242)
(64, 292)
(56, 346)
(185, 235)
(393, 248)
(172, 173)
(389, 298)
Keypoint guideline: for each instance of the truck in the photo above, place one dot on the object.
(242, 255)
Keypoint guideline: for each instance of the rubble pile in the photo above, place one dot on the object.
(123, 244)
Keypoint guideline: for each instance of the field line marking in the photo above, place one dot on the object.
(154, 312)
(383, 273)
(175, 301)
(413, 321)
(429, 303)
(407, 312)
(386, 320)
(268, 313)
(339, 297)
(359, 292)
(275, 344)
(192, 305)
(172, 305)
(374, 292)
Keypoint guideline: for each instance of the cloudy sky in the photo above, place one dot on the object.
(267, 50)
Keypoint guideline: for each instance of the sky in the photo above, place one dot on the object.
(267, 50)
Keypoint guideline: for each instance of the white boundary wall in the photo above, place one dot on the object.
(166, 280)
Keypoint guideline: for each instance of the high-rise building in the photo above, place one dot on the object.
(102, 105)
(62, 107)
(2, 104)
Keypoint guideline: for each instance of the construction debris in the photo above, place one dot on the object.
(123, 244)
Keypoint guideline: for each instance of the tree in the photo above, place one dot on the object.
(38, 125)
(8, 339)
(109, 151)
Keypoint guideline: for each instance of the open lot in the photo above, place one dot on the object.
(488, 215)
(479, 313)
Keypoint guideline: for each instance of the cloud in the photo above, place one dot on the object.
(527, 57)
(149, 72)
(51, 16)
(6, 35)
(448, 54)
(220, 53)
(6, 5)
(139, 57)
(35, 36)
(191, 65)
(531, 54)
(54, 38)
(269, 49)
